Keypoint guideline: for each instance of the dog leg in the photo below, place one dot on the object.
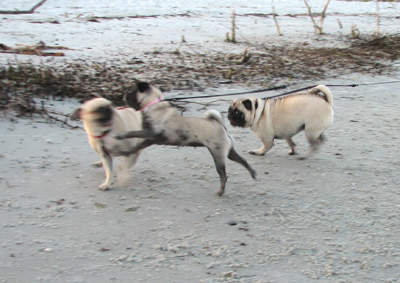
(123, 168)
(315, 140)
(292, 146)
(233, 155)
(137, 134)
(137, 149)
(267, 145)
(128, 161)
(219, 161)
(107, 164)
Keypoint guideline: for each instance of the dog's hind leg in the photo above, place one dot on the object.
(292, 146)
(219, 161)
(315, 139)
(233, 155)
(123, 168)
(107, 165)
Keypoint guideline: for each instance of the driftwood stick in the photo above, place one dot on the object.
(311, 16)
(377, 18)
(323, 15)
(275, 20)
(31, 11)
(318, 27)
(233, 27)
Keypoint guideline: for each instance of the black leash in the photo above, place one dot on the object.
(305, 88)
(274, 88)
(309, 87)
(227, 94)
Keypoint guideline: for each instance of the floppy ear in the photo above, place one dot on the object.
(247, 104)
(75, 115)
(130, 98)
(143, 86)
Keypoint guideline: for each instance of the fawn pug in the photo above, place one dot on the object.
(284, 117)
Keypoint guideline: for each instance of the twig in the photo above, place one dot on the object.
(323, 14)
(233, 38)
(204, 104)
(274, 16)
(31, 11)
(318, 28)
(50, 117)
(233, 26)
(377, 18)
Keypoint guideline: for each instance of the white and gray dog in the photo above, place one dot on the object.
(163, 125)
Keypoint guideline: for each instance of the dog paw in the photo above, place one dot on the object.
(253, 174)
(98, 164)
(256, 152)
(105, 186)
(292, 152)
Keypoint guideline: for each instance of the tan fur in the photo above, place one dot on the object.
(282, 118)
(123, 120)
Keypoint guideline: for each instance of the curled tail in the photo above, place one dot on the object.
(214, 115)
(325, 90)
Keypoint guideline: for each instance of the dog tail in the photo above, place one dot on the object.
(325, 90)
(214, 115)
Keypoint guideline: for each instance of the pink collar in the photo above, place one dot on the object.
(101, 136)
(151, 103)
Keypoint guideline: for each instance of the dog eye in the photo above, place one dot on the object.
(236, 112)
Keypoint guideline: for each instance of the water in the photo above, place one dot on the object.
(123, 8)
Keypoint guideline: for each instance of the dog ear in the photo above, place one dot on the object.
(76, 115)
(247, 104)
(143, 86)
(130, 98)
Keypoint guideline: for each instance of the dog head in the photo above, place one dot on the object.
(241, 113)
(141, 94)
(96, 110)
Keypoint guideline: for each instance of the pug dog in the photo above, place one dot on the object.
(102, 122)
(163, 125)
(284, 117)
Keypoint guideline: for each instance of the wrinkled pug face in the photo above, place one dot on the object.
(104, 115)
(241, 112)
(139, 94)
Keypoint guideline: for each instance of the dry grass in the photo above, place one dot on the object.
(21, 82)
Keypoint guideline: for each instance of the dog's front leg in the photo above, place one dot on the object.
(138, 148)
(137, 134)
(267, 145)
(107, 165)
